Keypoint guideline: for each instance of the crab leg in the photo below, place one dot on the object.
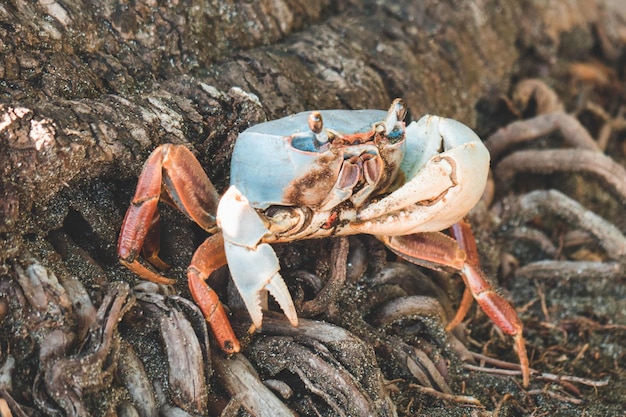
(434, 250)
(487, 298)
(173, 169)
(209, 257)
(463, 234)
(141, 219)
(173, 175)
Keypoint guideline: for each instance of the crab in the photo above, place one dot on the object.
(314, 175)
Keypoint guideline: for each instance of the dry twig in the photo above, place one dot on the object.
(459, 399)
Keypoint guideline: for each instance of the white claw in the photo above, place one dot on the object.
(253, 265)
(251, 270)
(276, 286)
(239, 222)
(254, 271)
(446, 167)
(432, 181)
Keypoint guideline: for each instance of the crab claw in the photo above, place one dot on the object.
(253, 264)
(446, 167)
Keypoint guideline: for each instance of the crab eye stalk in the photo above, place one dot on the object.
(379, 130)
(396, 114)
(316, 124)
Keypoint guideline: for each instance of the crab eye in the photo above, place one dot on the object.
(396, 114)
(398, 105)
(316, 124)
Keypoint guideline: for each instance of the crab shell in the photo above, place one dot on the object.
(279, 162)
(436, 170)
(287, 184)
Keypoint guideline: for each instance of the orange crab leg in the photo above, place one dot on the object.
(142, 212)
(174, 169)
(463, 234)
(466, 303)
(140, 222)
(174, 176)
(207, 258)
(436, 249)
(497, 308)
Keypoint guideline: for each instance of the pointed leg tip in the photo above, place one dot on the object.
(157, 262)
(231, 346)
(146, 273)
(520, 346)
